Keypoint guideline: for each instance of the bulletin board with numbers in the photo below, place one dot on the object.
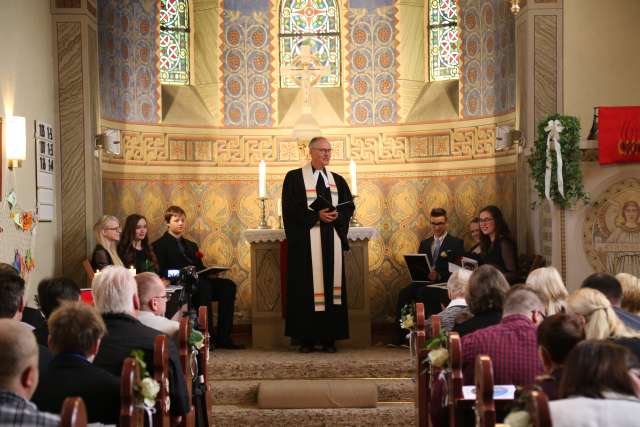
(45, 172)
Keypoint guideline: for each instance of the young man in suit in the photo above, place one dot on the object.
(441, 249)
(75, 333)
(174, 252)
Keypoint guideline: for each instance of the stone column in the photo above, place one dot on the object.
(76, 62)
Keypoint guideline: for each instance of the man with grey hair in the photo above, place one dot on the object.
(153, 304)
(457, 304)
(19, 378)
(511, 344)
(116, 297)
(316, 206)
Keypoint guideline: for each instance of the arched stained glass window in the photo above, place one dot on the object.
(444, 40)
(174, 42)
(315, 23)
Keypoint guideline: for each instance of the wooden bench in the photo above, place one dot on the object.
(456, 405)
(74, 413)
(161, 417)
(485, 408)
(184, 350)
(203, 354)
(131, 414)
(538, 408)
(422, 382)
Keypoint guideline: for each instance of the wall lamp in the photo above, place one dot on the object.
(16, 141)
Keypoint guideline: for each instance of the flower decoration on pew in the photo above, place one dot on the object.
(196, 339)
(147, 389)
(199, 254)
(407, 317)
(438, 354)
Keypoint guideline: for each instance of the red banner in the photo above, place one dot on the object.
(618, 134)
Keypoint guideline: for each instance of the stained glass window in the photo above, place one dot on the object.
(444, 40)
(314, 23)
(174, 42)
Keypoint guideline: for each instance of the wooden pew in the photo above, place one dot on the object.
(74, 413)
(203, 354)
(187, 368)
(485, 407)
(161, 374)
(131, 415)
(422, 381)
(456, 405)
(538, 408)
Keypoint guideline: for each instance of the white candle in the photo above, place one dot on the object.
(262, 179)
(132, 270)
(279, 207)
(354, 181)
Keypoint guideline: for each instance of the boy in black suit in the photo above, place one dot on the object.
(441, 249)
(174, 252)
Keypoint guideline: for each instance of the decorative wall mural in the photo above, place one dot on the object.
(373, 64)
(612, 229)
(246, 58)
(128, 43)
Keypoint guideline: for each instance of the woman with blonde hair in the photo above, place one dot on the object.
(630, 292)
(547, 282)
(107, 231)
(601, 322)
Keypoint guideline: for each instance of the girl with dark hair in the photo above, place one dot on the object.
(599, 387)
(134, 248)
(496, 245)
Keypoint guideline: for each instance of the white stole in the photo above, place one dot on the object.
(310, 181)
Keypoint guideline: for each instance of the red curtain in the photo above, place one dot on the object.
(618, 134)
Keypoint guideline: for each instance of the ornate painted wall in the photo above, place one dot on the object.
(128, 40)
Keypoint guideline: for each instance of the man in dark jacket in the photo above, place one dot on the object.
(174, 252)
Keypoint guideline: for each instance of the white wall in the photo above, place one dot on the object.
(27, 89)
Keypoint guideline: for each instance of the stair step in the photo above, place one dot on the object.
(244, 392)
(387, 414)
(346, 363)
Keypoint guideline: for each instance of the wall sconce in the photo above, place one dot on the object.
(16, 141)
(515, 6)
(109, 141)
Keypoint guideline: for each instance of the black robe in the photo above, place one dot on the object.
(303, 322)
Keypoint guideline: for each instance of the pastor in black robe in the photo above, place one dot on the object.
(303, 322)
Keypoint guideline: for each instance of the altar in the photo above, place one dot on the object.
(267, 320)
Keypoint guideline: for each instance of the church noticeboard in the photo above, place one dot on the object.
(45, 173)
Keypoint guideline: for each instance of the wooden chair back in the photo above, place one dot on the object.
(131, 415)
(203, 353)
(538, 408)
(435, 324)
(88, 269)
(454, 379)
(161, 374)
(185, 361)
(422, 380)
(74, 413)
(485, 407)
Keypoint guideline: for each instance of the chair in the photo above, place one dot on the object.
(189, 419)
(88, 269)
(131, 414)
(74, 413)
(485, 407)
(422, 381)
(538, 408)
(161, 374)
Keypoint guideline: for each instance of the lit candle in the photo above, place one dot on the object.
(132, 270)
(279, 207)
(262, 179)
(354, 182)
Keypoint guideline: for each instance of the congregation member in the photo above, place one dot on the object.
(497, 247)
(611, 288)
(134, 248)
(19, 378)
(600, 387)
(601, 321)
(12, 306)
(441, 249)
(474, 229)
(51, 293)
(116, 297)
(175, 252)
(630, 293)
(485, 297)
(153, 304)
(511, 344)
(558, 334)
(317, 206)
(456, 285)
(107, 233)
(547, 282)
(75, 333)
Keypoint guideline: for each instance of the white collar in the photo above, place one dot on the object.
(457, 302)
(322, 172)
(441, 238)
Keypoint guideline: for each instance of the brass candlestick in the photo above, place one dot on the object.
(354, 221)
(263, 216)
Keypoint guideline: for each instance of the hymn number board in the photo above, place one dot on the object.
(45, 174)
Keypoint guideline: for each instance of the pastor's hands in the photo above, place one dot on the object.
(327, 215)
